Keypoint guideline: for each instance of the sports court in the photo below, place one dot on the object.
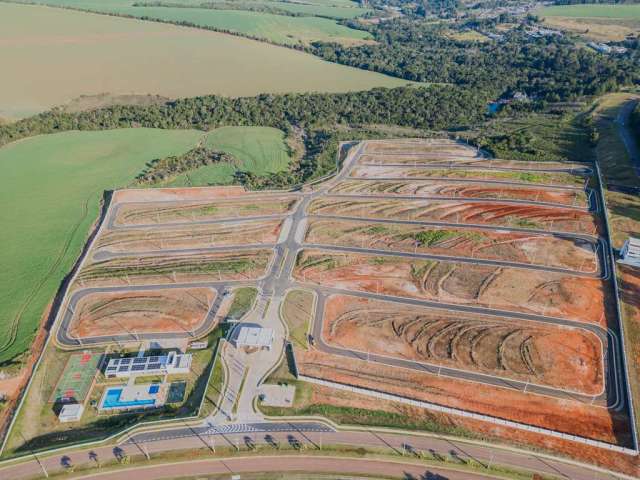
(76, 378)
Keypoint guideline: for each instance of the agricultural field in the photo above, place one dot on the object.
(274, 28)
(52, 187)
(597, 22)
(125, 56)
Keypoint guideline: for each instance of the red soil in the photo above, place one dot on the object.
(561, 357)
(517, 290)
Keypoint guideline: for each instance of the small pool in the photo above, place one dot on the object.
(154, 388)
(112, 399)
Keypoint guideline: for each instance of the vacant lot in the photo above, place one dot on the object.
(564, 252)
(495, 213)
(436, 147)
(178, 268)
(426, 188)
(51, 190)
(510, 289)
(542, 178)
(297, 311)
(196, 236)
(143, 214)
(155, 311)
(565, 358)
(66, 54)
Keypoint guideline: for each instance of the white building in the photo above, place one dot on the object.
(630, 253)
(255, 337)
(153, 365)
(71, 412)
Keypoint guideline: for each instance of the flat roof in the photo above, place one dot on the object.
(255, 337)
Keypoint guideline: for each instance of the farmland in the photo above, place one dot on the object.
(125, 56)
(274, 28)
(598, 22)
(52, 188)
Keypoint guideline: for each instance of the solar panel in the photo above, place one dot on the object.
(153, 359)
(109, 369)
(154, 366)
(125, 361)
(123, 368)
(139, 360)
(137, 368)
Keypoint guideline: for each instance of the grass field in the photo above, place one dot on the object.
(259, 150)
(275, 28)
(596, 22)
(50, 196)
(65, 54)
(593, 11)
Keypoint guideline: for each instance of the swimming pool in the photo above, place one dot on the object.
(112, 399)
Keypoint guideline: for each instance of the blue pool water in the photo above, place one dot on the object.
(154, 388)
(112, 399)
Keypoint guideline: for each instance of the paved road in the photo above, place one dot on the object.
(309, 439)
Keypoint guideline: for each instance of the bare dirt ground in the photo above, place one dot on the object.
(498, 214)
(178, 194)
(437, 159)
(418, 146)
(564, 252)
(140, 214)
(545, 293)
(157, 311)
(427, 188)
(560, 357)
(542, 178)
(192, 236)
(182, 268)
(558, 414)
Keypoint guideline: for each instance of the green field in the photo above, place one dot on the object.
(65, 54)
(259, 150)
(275, 28)
(50, 196)
(631, 12)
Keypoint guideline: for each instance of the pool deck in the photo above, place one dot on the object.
(148, 395)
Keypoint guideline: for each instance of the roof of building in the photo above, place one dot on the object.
(71, 410)
(153, 363)
(255, 337)
(633, 246)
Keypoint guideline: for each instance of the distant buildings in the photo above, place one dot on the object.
(606, 49)
(630, 253)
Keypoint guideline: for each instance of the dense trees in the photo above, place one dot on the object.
(549, 67)
(436, 107)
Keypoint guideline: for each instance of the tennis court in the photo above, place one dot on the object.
(76, 378)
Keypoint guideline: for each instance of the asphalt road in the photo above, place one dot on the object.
(441, 447)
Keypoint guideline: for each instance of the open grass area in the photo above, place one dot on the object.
(297, 311)
(51, 192)
(600, 22)
(243, 299)
(259, 150)
(65, 54)
(592, 11)
(274, 28)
